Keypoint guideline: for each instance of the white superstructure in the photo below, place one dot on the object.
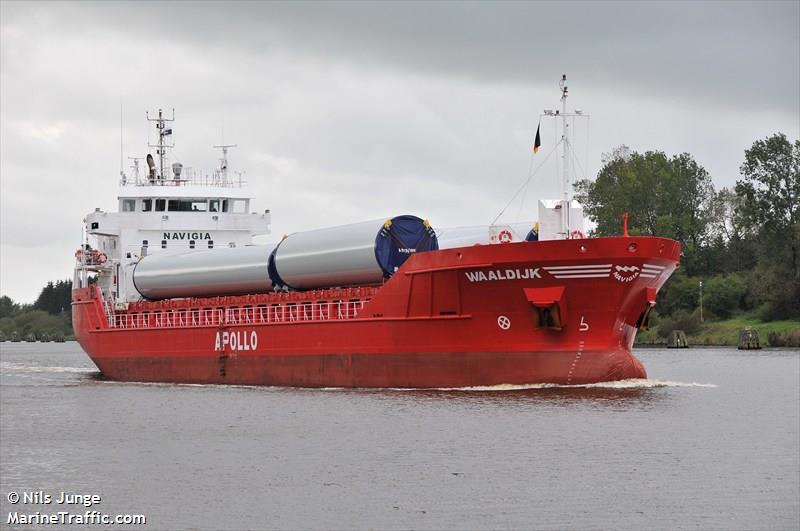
(165, 212)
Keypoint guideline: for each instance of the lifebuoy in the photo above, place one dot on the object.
(79, 254)
(102, 258)
(576, 234)
(505, 236)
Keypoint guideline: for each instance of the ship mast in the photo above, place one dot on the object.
(565, 154)
(163, 132)
(135, 168)
(565, 148)
(223, 162)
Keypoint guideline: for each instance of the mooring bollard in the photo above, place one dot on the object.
(677, 339)
(748, 339)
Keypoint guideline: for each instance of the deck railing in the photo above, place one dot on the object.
(241, 315)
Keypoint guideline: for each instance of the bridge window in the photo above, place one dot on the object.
(239, 206)
(224, 205)
(213, 205)
(147, 205)
(188, 205)
(128, 205)
(161, 205)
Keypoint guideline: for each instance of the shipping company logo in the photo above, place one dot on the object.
(236, 340)
(626, 273)
(580, 271)
(186, 236)
(406, 250)
(503, 274)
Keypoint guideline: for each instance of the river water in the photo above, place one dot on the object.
(710, 442)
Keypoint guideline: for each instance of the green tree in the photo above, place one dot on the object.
(770, 202)
(670, 197)
(55, 298)
(725, 294)
(731, 243)
(8, 307)
(680, 293)
(38, 321)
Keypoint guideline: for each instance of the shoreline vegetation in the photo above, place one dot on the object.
(740, 263)
(47, 319)
(725, 333)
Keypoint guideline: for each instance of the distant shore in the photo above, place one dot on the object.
(726, 333)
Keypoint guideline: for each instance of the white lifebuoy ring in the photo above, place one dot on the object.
(505, 236)
(576, 234)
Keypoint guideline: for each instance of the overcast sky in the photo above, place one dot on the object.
(350, 111)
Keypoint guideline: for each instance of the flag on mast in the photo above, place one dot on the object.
(538, 141)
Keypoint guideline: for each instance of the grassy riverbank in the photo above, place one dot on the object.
(726, 333)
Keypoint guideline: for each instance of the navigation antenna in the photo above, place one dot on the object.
(565, 147)
(223, 162)
(163, 132)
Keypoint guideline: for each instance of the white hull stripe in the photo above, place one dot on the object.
(595, 266)
(653, 266)
(581, 276)
(578, 271)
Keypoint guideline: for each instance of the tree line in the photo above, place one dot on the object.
(50, 317)
(742, 242)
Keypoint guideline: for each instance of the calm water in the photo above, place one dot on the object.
(666, 454)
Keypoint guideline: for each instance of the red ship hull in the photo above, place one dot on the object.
(561, 312)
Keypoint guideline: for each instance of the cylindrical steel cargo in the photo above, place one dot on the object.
(226, 271)
(357, 254)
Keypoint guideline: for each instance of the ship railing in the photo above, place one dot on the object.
(188, 177)
(292, 312)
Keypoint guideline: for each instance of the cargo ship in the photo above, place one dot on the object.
(171, 288)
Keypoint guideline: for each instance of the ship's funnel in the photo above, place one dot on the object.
(152, 165)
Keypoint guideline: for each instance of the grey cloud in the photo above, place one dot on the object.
(718, 53)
